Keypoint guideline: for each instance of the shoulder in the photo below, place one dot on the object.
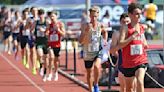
(115, 35)
(124, 27)
(60, 23)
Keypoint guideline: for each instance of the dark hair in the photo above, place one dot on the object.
(31, 9)
(151, 1)
(133, 6)
(25, 10)
(16, 11)
(40, 12)
(123, 15)
(54, 12)
(12, 9)
(48, 13)
(3, 7)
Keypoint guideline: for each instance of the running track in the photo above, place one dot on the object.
(15, 78)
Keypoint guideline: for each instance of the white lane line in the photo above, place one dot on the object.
(22, 73)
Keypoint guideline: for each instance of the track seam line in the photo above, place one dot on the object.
(22, 73)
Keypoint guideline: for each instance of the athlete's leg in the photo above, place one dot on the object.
(97, 69)
(90, 79)
(10, 44)
(41, 60)
(122, 82)
(140, 74)
(129, 83)
(89, 69)
(27, 56)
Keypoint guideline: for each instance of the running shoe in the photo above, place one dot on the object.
(24, 61)
(37, 64)
(34, 71)
(41, 72)
(96, 88)
(27, 66)
(49, 78)
(9, 52)
(56, 76)
(44, 78)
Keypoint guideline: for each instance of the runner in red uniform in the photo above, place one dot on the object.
(55, 30)
(134, 58)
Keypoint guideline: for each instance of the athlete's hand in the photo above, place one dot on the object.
(135, 34)
(89, 26)
(42, 29)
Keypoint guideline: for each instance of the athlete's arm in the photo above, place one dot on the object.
(61, 29)
(123, 40)
(84, 34)
(47, 29)
(104, 32)
(114, 44)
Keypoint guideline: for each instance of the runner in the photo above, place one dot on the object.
(41, 42)
(15, 32)
(31, 39)
(124, 20)
(24, 34)
(90, 38)
(134, 58)
(7, 37)
(56, 30)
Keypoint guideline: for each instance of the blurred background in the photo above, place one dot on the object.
(71, 13)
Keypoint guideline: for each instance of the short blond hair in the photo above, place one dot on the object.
(94, 8)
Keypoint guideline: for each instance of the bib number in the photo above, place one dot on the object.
(40, 34)
(93, 47)
(136, 50)
(54, 37)
(26, 32)
(7, 29)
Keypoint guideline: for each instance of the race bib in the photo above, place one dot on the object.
(54, 37)
(40, 34)
(93, 47)
(7, 29)
(26, 32)
(136, 50)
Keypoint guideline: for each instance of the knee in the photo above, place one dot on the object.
(89, 74)
(97, 66)
(140, 82)
(40, 52)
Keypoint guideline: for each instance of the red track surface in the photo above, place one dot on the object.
(11, 80)
(21, 79)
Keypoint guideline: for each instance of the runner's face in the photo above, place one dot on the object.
(42, 16)
(135, 16)
(17, 14)
(125, 20)
(26, 14)
(53, 16)
(35, 11)
(94, 15)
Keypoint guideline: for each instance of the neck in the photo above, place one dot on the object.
(133, 24)
(55, 21)
(42, 19)
(93, 22)
(35, 16)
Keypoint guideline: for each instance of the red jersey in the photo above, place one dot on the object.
(54, 38)
(134, 54)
